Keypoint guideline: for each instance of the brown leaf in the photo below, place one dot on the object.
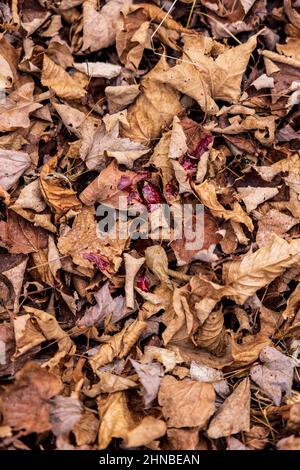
(86, 429)
(25, 404)
(154, 108)
(256, 270)
(100, 28)
(85, 247)
(233, 416)
(57, 189)
(186, 403)
(118, 345)
(14, 112)
(56, 78)
(211, 334)
(20, 236)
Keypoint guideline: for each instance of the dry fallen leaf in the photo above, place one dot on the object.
(25, 404)
(233, 416)
(275, 376)
(187, 403)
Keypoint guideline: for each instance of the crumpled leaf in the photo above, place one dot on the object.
(233, 416)
(119, 97)
(209, 375)
(207, 195)
(98, 69)
(275, 375)
(86, 248)
(179, 401)
(118, 345)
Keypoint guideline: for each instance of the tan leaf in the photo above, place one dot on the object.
(57, 189)
(253, 197)
(206, 192)
(157, 261)
(14, 112)
(31, 197)
(119, 97)
(258, 269)
(169, 359)
(186, 403)
(154, 108)
(56, 78)
(144, 433)
(100, 28)
(118, 345)
(233, 416)
(99, 69)
(52, 331)
(117, 421)
(26, 335)
(86, 429)
(211, 334)
(132, 266)
(85, 246)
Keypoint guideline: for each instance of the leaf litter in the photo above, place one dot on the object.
(146, 342)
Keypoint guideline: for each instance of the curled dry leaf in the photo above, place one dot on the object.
(256, 270)
(14, 112)
(211, 334)
(106, 307)
(207, 195)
